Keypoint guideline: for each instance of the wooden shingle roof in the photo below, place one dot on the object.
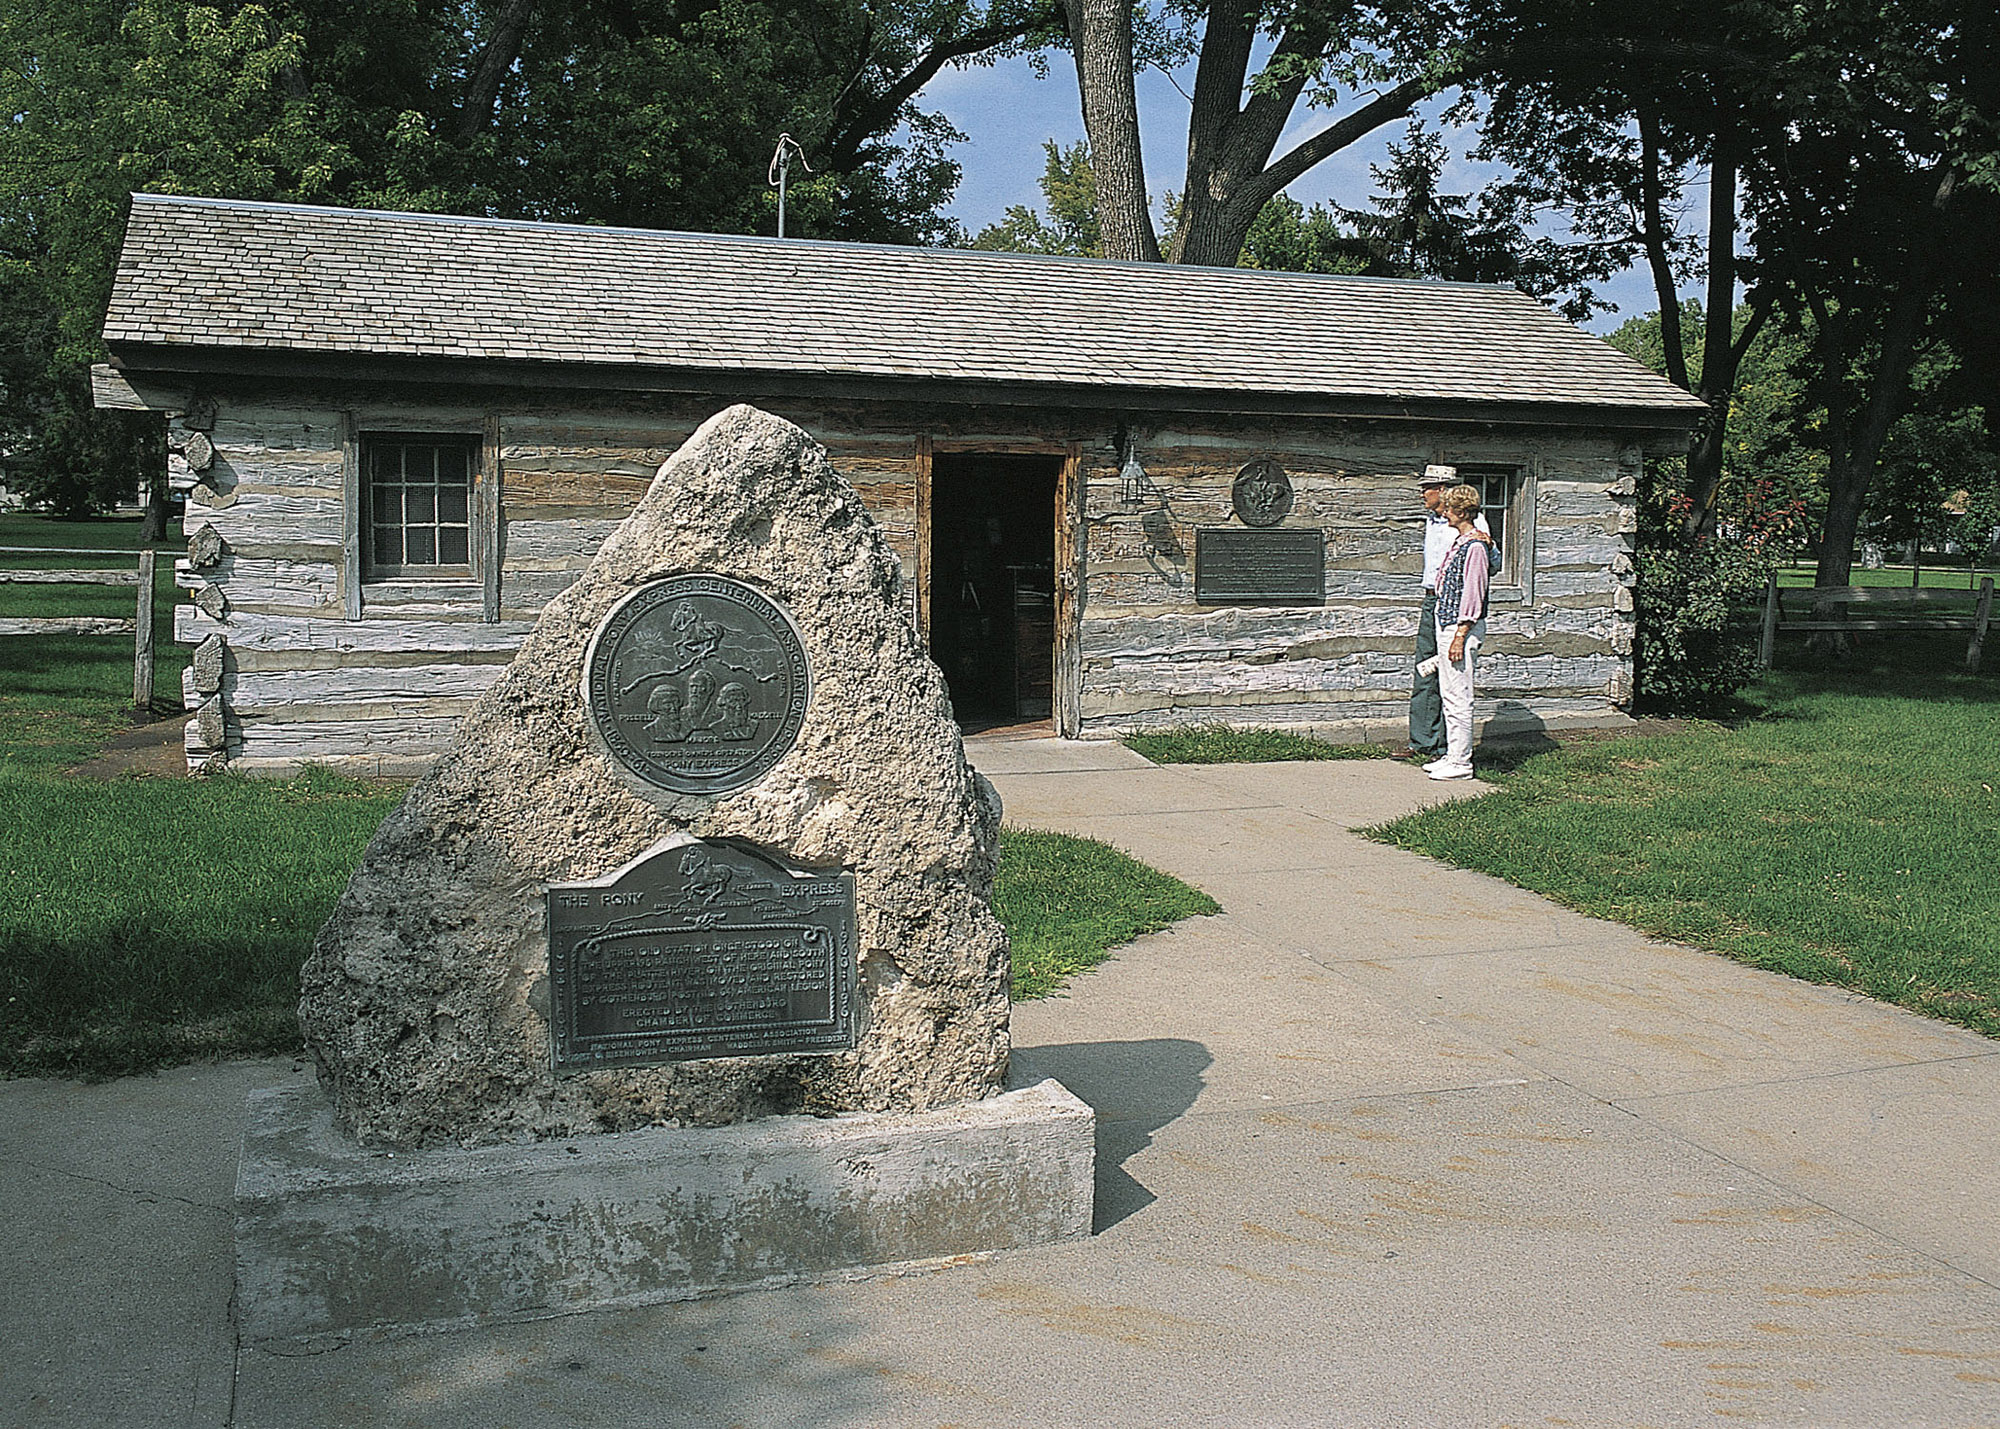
(219, 276)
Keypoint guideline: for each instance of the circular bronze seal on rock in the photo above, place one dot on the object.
(1262, 494)
(697, 684)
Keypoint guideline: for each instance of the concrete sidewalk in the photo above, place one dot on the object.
(1382, 1144)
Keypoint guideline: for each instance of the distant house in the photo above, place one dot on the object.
(1125, 496)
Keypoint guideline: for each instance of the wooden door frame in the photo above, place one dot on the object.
(1067, 675)
(1067, 686)
(924, 452)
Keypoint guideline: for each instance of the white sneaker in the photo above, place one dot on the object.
(1443, 770)
(1437, 763)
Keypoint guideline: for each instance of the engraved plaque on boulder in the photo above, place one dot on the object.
(1281, 566)
(698, 683)
(700, 950)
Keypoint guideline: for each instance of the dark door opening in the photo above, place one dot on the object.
(992, 599)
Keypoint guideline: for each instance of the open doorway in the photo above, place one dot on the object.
(992, 597)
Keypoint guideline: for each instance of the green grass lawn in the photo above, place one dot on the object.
(1847, 831)
(1220, 744)
(31, 528)
(149, 921)
(1928, 577)
(1068, 901)
(144, 921)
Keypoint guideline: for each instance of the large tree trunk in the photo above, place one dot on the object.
(1653, 235)
(1217, 168)
(489, 71)
(1721, 352)
(1101, 39)
(1231, 174)
(153, 525)
(1856, 452)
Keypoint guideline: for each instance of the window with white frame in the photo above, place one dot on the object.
(418, 494)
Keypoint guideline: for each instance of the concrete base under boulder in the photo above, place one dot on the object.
(331, 1237)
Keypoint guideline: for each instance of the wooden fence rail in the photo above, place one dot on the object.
(140, 627)
(1823, 600)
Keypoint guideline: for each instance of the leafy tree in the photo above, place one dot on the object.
(1878, 221)
(642, 112)
(1940, 481)
(1694, 650)
(1769, 463)
(1415, 230)
(104, 97)
(1611, 115)
(1290, 237)
(1071, 229)
(1318, 54)
(1287, 236)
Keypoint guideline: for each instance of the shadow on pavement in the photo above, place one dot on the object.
(1135, 1088)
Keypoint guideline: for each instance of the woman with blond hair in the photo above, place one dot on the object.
(1461, 625)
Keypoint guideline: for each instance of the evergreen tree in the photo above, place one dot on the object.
(1414, 229)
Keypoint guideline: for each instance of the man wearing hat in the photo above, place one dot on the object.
(1426, 705)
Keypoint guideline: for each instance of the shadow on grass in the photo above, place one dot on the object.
(1920, 665)
(1503, 754)
(104, 1051)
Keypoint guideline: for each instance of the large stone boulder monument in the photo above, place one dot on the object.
(427, 1000)
(708, 855)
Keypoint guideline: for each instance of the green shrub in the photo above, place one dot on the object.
(1697, 647)
(1697, 595)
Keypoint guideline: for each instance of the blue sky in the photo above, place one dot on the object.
(1007, 113)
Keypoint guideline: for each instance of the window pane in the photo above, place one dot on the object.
(419, 501)
(1497, 490)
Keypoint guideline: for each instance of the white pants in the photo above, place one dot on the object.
(1455, 690)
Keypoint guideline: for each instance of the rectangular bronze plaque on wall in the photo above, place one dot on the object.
(1282, 565)
(700, 950)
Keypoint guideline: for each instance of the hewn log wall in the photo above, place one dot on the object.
(287, 679)
(1560, 628)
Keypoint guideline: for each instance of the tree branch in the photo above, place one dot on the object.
(1218, 77)
(1718, 377)
(1761, 307)
(1338, 135)
(877, 113)
(1652, 233)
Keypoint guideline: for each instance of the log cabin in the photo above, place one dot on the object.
(1125, 496)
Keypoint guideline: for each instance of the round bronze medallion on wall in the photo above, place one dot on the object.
(698, 684)
(1262, 494)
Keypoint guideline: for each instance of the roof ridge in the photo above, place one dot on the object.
(916, 250)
